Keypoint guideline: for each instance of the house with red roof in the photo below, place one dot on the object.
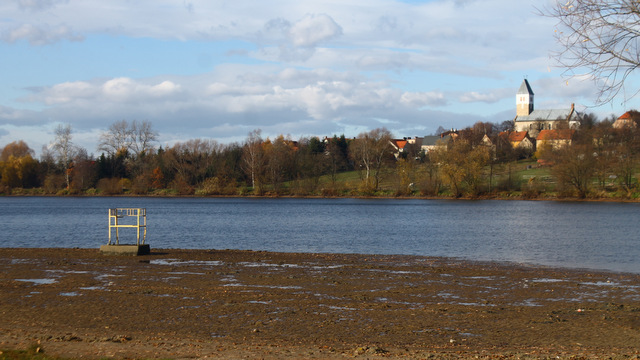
(555, 138)
(624, 121)
(399, 145)
(518, 139)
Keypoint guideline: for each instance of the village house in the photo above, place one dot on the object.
(555, 139)
(399, 145)
(518, 139)
(432, 142)
(624, 121)
(406, 145)
(419, 144)
(533, 121)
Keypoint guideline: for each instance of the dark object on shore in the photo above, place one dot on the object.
(132, 250)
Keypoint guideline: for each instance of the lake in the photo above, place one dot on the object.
(564, 234)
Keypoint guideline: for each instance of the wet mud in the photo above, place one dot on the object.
(244, 304)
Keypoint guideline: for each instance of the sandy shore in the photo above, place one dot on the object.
(241, 304)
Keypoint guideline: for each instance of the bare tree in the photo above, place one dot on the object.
(63, 148)
(371, 150)
(600, 36)
(279, 160)
(574, 167)
(116, 139)
(193, 159)
(253, 157)
(142, 136)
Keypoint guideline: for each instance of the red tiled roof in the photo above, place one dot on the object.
(513, 136)
(557, 134)
(400, 144)
(625, 116)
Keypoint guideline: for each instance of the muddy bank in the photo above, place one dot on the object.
(243, 304)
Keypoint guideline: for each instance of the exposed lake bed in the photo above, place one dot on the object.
(256, 304)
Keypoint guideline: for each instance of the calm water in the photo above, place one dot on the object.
(567, 234)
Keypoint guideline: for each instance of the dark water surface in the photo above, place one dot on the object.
(566, 234)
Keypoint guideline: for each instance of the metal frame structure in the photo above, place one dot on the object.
(120, 213)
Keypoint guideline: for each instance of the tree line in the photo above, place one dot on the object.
(601, 161)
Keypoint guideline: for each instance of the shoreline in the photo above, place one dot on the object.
(471, 262)
(382, 197)
(181, 303)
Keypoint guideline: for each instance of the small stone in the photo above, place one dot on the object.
(361, 350)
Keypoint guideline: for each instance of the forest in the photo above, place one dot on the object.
(601, 162)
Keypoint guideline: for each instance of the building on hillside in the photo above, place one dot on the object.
(518, 139)
(625, 120)
(533, 121)
(486, 141)
(432, 142)
(555, 138)
(408, 145)
(399, 145)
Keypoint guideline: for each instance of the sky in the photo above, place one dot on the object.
(217, 69)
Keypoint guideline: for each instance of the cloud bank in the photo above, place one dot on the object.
(199, 68)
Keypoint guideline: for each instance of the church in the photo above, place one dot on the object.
(533, 121)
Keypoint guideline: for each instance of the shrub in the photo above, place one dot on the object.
(181, 186)
(54, 183)
(140, 185)
(110, 186)
(211, 186)
(532, 189)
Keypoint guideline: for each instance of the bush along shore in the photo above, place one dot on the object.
(522, 180)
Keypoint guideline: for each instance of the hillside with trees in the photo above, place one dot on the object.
(601, 162)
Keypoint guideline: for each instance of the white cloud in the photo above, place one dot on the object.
(38, 5)
(474, 96)
(311, 67)
(41, 35)
(269, 98)
(69, 91)
(129, 90)
(424, 99)
(313, 29)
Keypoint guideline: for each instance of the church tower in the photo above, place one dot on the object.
(524, 99)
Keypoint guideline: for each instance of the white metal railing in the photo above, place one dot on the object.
(117, 214)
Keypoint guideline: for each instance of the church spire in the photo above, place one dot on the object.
(524, 99)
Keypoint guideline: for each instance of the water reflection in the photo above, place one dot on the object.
(568, 234)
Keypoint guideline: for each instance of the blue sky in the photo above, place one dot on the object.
(220, 69)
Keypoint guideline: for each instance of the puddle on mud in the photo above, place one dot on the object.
(446, 295)
(255, 264)
(601, 283)
(259, 302)
(396, 272)
(71, 293)
(175, 262)
(56, 271)
(291, 287)
(528, 302)
(546, 280)
(21, 261)
(39, 281)
(481, 278)
(333, 307)
(93, 288)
